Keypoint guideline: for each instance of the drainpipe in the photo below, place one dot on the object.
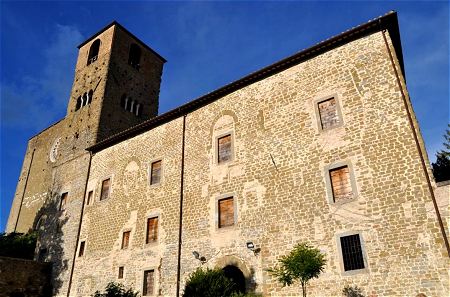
(416, 139)
(79, 226)
(24, 190)
(181, 207)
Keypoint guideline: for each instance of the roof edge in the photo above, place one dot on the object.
(389, 22)
(115, 23)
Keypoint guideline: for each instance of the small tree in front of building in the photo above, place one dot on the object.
(116, 290)
(302, 264)
(209, 283)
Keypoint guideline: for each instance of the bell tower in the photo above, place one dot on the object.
(116, 84)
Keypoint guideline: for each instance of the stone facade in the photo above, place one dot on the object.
(278, 177)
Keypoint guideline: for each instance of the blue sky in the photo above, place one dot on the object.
(207, 45)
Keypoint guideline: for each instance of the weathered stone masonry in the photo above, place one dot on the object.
(278, 177)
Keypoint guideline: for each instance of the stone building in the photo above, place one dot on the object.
(321, 147)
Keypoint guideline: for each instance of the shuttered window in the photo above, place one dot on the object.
(224, 153)
(125, 239)
(155, 174)
(152, 229)
(106, 184)
(63, 201)
(352, 255)
(340, 184)
(226, 212)
(81, 250)
(329, 117)
(121, 268)
(149, 282)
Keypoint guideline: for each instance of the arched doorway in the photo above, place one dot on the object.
(236, 275)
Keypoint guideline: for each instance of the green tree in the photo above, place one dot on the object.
(116, 290)
(209, 283)
(18, 245)
(441, 168)
(302, 264)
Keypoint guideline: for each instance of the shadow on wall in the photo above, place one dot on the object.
(48, 223)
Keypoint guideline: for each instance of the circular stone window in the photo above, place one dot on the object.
(54, 150)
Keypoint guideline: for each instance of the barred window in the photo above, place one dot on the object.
(224, 152)
(328, 112)
(340, 183)
(125, 239)
(352, 252)
(155, 173)
(152, 230)
(149, 283)
(226, 212)
(106, 184)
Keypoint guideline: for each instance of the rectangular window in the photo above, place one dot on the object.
(89, 197)
(226, 212)
(152, 230)
(149, 282)
(351, 252)
(63, 201)
(224, 153)
(340, 184)
(328, 112)
(155, 174)
(81, 250)
(106, 184)
(126, 239)
(120, 272)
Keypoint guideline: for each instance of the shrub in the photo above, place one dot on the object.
(18, 245)
(352, 291)
(116, 290)
(209, 283)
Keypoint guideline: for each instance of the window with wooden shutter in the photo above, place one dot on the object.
(152, 229)
(226, 212)
(63, 201)
(89, 197)
(352, 254)
(340, 184)
(121, 268)
(106, 184)
(149, 282)
(126, 239)
(155, 174)
(81, 250)
(224, 152)
(328, 112)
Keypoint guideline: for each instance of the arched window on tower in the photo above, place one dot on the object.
(90, 94)
(93, 51)
(134, 57)
(84, 100)
(78, 103)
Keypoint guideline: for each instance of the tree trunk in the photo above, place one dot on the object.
(303, 288)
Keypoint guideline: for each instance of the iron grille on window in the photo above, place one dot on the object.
(352, 252)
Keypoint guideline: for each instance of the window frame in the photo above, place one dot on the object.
(82, 252)
(110, 177)
(316, 103)
(129, 239)
(341, 256)
(150, 172)
(147, 218)
(216, 147)
(329, 186)
(61, 206)
(94, 58)
(123, 272)
(90, 201)
(217, 214)
(155, 280)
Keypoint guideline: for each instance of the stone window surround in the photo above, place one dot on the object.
(79, 246)
(129, 238)
(155, 281)
(93, 196)
(316, 102)
(60, 201)
(123, 273)
(216, 211)
(111, 178)
(149, 172)
(152, 215)
(328, 185)
(341, 259)
(216, 148)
